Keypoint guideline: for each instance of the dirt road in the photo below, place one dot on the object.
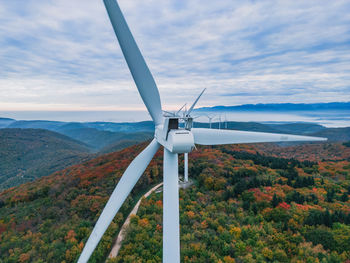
(118, 243)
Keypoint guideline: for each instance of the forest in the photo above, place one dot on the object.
(249, 203)
(27, 154)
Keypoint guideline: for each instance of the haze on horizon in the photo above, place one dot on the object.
(63, 55)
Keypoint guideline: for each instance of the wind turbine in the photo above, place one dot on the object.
(168, 134)
(187, 114)
(210, 118)
(219, 118)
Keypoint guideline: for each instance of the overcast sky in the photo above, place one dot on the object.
(63, 55)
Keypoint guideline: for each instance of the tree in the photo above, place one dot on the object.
(321, 236)
(327, 220)
(330, 195)
(275, 200)
(344, 197)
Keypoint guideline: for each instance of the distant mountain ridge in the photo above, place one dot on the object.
(126, 127)
(281, 107)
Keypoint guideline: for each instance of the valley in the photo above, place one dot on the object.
(32, 149)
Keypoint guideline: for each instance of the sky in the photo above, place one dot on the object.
(62, 55)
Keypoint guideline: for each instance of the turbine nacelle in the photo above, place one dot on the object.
(174, 138)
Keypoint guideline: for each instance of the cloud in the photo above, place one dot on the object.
(63, 54)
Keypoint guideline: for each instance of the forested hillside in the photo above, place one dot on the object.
(98, 140)
(50, 219)
(335, 134)
(125, 127)
(4, 122)
(244, 206)
(307, 151)
(108, 136)
(120, 144)
(248, 207)
(26, 154)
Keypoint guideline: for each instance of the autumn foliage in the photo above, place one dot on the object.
(249, 203)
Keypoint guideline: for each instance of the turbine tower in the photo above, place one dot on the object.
(171, 137)
(185, 167)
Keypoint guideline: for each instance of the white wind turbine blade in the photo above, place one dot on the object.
(169, 113)
(216, 137)
(177, 113)
(171, 225)
(120, 193)
(137, 65)
(195, 102)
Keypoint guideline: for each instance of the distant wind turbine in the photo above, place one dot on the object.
(210, 118)
(169, 135)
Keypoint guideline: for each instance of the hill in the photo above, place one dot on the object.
(27, 154)
(299, 128)
(55, 214)
(121, 144)
(249, 207)
(246, 205)
(4, 122)
(108, 136)
(99, 139)
(124, 127)
(313, 152)
(99, 135)
(47, 125)
(335, 134)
